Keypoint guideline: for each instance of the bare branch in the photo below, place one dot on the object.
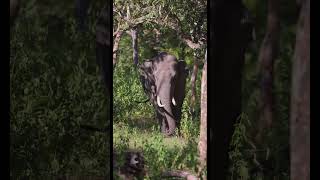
(182, 174)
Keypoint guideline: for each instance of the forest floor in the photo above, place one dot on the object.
(143, 129)
(161, 153)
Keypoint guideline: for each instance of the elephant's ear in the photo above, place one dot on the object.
(145, 67)
(146, 76)
(183, 67)
(147, 63)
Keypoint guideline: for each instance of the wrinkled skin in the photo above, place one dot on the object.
(163, 78)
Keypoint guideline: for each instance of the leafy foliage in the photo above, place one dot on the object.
(54, 87)
(270, 159)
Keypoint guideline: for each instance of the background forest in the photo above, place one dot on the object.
(55, 86)
(56, 89)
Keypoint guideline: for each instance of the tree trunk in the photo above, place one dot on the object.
(202, 146)
(116, 46)
(227, 57)
(103, 47)
(300, 99)
(267, 55)
(134, 35)
(194, 85)
(14, 8)
(81, 13)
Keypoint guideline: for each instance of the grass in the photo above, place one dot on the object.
(143, 130)
(161, 153)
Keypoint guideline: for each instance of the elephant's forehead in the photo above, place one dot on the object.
(166, 65)
(165, 71)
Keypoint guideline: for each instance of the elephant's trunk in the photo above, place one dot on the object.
(159, 102)
(165, 99)
(162, 105)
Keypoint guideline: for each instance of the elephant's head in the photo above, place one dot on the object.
(163, 79)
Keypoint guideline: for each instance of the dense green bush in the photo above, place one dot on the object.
(54, 87)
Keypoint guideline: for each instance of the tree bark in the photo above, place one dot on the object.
(14, 8)
(202, 146)
(103, 47)
(116, 46)
(134, 35)
(81, 13)
(194, 85)
(300, 99)
(267, 55)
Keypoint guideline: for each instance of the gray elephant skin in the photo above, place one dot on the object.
(163, 78)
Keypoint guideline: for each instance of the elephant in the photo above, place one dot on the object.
(163, 79)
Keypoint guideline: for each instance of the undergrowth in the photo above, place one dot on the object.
(54, 87)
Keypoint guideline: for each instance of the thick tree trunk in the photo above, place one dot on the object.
(103, 54)
(81, 13)
(116, 46)
(267, 55)
(202, 146)
(227, 56)
(194, 85)
(134, 35)
(103, 47)
(300, 99)
(14, 8)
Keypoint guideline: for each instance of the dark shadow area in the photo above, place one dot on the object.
(54, 88)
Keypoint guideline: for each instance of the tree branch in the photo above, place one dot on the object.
(182, 174)
(184, 37)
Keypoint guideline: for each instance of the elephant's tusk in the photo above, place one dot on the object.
(159, 102)
(174, 101)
